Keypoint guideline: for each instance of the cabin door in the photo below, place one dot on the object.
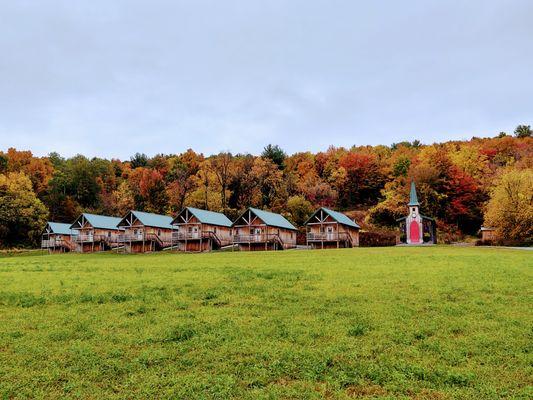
(195, 232)
(330, 233)
(414, 232)
(257, 234)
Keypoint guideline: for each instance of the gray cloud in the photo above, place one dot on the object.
(110, 78)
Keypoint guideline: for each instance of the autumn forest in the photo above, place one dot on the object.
(463, 184)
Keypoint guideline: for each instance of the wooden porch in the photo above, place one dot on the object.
(196, 241)
(329, 239)
(260, 241)
(95, 242)
(58, 244)
(142, 242)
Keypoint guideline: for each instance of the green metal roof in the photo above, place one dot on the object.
(337, 216)
(99, 221)
(153, 220)
(209, 217)
(60, 228)
(413, 198)
(272, 219)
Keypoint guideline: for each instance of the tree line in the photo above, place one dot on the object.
(461, 183)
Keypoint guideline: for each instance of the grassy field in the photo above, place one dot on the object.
(424, 323)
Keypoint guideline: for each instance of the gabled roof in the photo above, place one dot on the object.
(60, 228)
(98, 221)
(206, 217)
(270, 218)
(150, 219)
(337, 216)
(413, 198)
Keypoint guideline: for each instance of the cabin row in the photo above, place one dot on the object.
(195, 230)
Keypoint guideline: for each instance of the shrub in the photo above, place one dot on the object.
(377, 239)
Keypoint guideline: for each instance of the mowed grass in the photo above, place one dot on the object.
(426, 323)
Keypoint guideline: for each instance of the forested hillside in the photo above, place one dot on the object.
(459, 183)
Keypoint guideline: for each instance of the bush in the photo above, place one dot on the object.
(448, 233)
(377, 239)
(504, 242)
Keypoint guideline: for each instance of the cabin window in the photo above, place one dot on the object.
(215, 229)
(251, 231)
(159, 232)
(189, 229)
(321, 229)
(108, 234)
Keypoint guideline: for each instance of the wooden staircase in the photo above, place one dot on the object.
(158, 241)
(70, 245)
(215, 239)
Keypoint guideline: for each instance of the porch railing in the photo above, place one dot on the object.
(95, 238)
(325, 236)
(45, 243)
(259, 238)
(57, 242)
(84, 238)
(130, 237)
(191, 235)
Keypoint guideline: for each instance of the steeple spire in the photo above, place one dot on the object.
(413, 198)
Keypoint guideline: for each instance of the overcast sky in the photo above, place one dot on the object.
(113, 77)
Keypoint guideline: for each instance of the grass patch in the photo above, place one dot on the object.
(423, 323)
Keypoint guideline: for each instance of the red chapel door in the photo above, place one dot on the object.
(414, 232)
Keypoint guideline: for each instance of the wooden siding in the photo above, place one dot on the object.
(330, 234)
(488, 235)
(139, 238)
(258, 236)
(194, 236)
(91, 239)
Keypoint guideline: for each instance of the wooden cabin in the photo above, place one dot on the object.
(95, 232)
(327, 229)
(201, 230)
(144, 232)
(488, 234)
(263, 230)
(57, 238)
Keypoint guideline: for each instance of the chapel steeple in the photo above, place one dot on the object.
(413, 198)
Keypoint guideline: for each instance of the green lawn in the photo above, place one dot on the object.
(425, 323)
